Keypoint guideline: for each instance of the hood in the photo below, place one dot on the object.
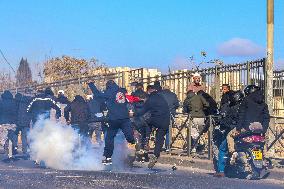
(79, 98)
(257, 97)
(18, 97)
(111, 87)
(48, 92)
(7, 95)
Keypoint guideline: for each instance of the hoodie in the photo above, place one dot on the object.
(79, 109)
(253, 109)
(42, 104)
(115, 100)
(23, 118)
(8, 108)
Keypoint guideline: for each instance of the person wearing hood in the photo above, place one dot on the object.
(97, 107)
(23, 120)
(118, 116)
(228, 123)
(253, 113)
(159, 111)
(42, 104)
(8, 108)
(80, 115)
(8, 114)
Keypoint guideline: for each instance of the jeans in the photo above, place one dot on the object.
(114, 126)
(222, 157)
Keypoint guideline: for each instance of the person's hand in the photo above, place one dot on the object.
(131, 113)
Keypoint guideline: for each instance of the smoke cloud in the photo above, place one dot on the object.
(60, 147)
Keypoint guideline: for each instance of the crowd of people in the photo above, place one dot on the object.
(138, 115)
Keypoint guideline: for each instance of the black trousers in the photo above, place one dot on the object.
(114, 126)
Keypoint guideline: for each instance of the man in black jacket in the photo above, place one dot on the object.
(80, 115)
(118, 116)
(160, 119)
(253, 115)
(97, 107)
(61, 98)
(173, 104)
(8, 114)
(23, 119)
(42, 104)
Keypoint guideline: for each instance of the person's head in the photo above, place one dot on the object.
(251, 89)
(225, 88)
(157, 85)
(48, 91)
(139, 86)
(60, 93)
(78, 98)
(166, 87)
(89, 97)
(196, 78)
(150, 89)
(237, 97)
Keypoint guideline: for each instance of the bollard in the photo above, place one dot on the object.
(189, 137)
(210, 138)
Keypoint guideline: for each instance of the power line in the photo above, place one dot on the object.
(7, 61)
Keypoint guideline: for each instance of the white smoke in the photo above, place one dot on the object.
(58, 146)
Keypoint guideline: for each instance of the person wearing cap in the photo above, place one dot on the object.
(196, 85)
(61, 98)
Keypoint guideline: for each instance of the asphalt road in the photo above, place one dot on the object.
(24, 174)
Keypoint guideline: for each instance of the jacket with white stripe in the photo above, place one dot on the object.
(41, 105)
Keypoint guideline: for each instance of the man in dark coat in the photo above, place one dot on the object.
(61, 98)
(80, 115)
(118, 116)
(97, 122)
(8, 115)
(173, 104)
(158, 108)
(8, 108)
(23, 119)
(42, 104)
(253, 115)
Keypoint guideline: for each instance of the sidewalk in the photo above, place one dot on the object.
(195, 162)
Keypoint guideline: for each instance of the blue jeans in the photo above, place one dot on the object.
(223, 152)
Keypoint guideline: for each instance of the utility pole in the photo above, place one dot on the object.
(269, 56)
(269, 70)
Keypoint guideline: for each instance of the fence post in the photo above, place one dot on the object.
(189, 125)
(170, 133)
(210, 138)
(217, 84)
(248, 73)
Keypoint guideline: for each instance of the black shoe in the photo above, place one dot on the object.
(107, 161)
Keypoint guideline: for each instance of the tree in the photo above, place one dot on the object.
(66, 67)
(24, 74)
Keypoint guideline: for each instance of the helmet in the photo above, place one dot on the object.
(250, 89)
(238, 96)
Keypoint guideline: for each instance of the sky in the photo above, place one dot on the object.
(138, 33)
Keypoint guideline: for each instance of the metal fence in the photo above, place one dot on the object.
(237, 76)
